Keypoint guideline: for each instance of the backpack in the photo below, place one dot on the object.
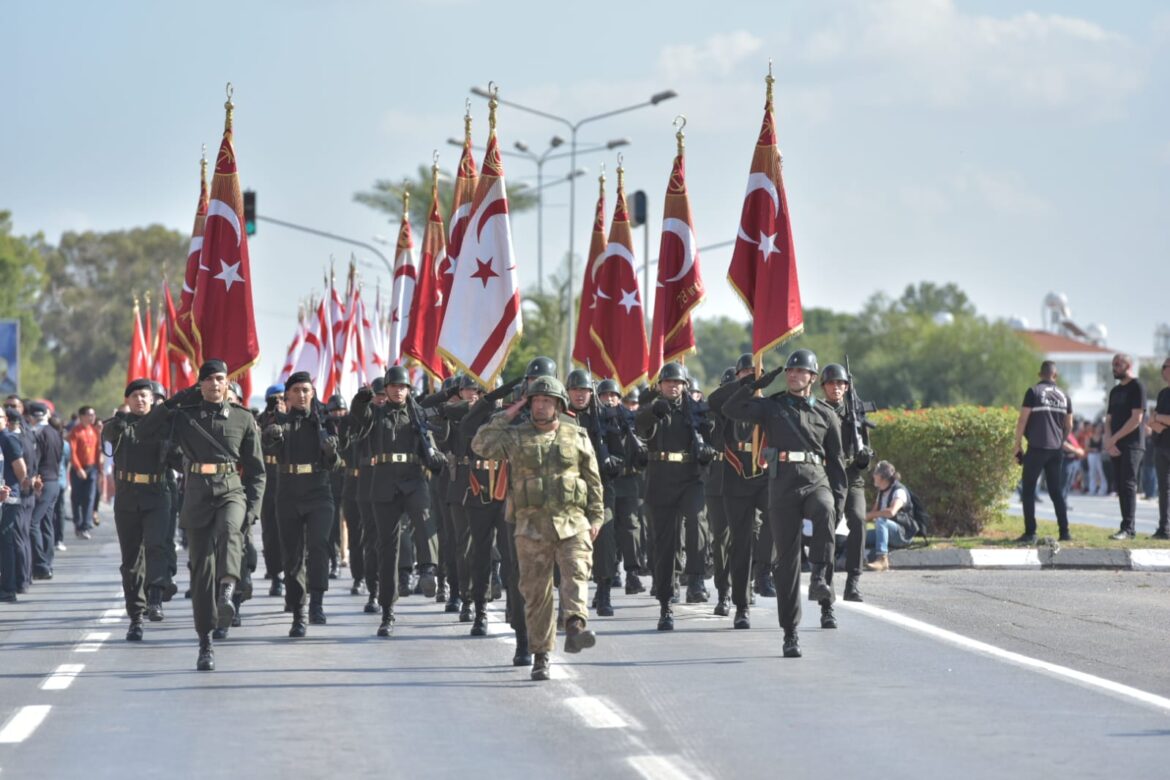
(916, 517)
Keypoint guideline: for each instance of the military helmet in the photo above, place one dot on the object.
(158, 390)
(834, 372)
(451, 383)
(608, 386)
(745, 362)
(378, 385)
(579, 379)
(675, 371)
(273, 390)
(238, 392)
(336, 404)
(804, 359)
(468, 382)
(541, 366)
(550, 386)
(728, 377)
(397, 375)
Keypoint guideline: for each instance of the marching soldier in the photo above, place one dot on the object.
(716, 512)
(347, 465)
(306, 454)
(173, 465)
(624, 444)
(835, 382)
(224, 489)
(142, 507)
(362, 450)
(806, 478)
(556, 496)
(269, 529)
(674, 431)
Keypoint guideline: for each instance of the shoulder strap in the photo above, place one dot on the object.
(214, 442)
(787, 417)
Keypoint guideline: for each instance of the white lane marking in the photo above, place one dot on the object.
(654, 767)
(62, 678)
(112, 615)
(1090, 680)
(21, 725)
(1150, 560)
(595, 712)
(561, 672)
(92, 642)
(1023, 558)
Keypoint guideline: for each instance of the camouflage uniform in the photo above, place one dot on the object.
(556, 495)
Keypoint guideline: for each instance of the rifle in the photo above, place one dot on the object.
(604, 461)
(855, 411)
(431, 457)
(701, 451)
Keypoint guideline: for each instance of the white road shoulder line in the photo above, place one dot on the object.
(1150, 560)
(21, 725)
(62, 678)
(1089, 680)
(596, 713)
(659, 768)
(112, 615)
(92, 642)
(1012, 559)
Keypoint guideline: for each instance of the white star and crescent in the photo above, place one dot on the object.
(230, 274)
(629, 300)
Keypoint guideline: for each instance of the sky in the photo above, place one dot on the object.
(1013, 148)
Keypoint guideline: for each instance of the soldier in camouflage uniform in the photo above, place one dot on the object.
(556, 495)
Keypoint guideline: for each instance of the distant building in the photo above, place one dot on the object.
(1085, 369)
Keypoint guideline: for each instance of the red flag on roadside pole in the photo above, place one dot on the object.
(138, 365)
(181, 337)
(585, 352)
(763, 264)
(617, 324)
(403, 285)
(483, 321)
(223, 320)
(181, 372)
(422, 333)
(680, 284)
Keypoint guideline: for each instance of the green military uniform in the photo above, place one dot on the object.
(556, 497)
(224, 485)
(269, 530)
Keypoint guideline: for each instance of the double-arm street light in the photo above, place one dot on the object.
(574, 127)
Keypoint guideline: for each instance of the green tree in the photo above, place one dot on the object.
(22, 267)
(386, 196)
(928, 299)
(721, 340)
(86, 311)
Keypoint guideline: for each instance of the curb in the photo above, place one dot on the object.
(1030, 558)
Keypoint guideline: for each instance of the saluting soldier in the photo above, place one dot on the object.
(674, 487)
(269, 528)
(142, 507)
(835, 381)
(224, 489)
(806, 478)
(716, 513)
(362, 449)
(350, 513)
(624, 445)
(306, 455)
(556, 497)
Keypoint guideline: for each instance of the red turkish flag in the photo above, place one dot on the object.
(180, 362)
(680, 285)
(616, 327)
(763, 265)
(422, 333)
(182, 340)
(585, 352)
(138, 367)
(465, 182)
(222, 318)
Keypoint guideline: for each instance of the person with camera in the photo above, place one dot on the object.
(893, 526)
(1045, 420)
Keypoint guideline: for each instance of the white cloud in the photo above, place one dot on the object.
(1004, 192)
(718, 55)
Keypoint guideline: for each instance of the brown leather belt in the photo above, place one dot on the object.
(138, 479)
(670, 457)
(800, 457)
(298, 468)
(394, 457)
(212, 468)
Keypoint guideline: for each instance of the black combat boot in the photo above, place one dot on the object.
(454, 603)
(442, 592)
(497, 583)
(225, 609)
(479, 627)
(723, 606)
(237, 602)
(134, 633)
(219, 633)
(427, 581)
(791, 644)
(742, 618)
(604, 604)
(616, 580)
(818, 586)
(206, 662)
(317, 607)
(334, 568)
(371, 607)
(356, 588)
(154, 598)
(386, 627)
(666, 617)
(577, 636)
(828, 619)
(852, 592)
(767, 586)
(634, 584)
(298, 628)
(465, 612)
(522, 656)
(696, 592)
(540, 667)
(277, 587)
(404, 586)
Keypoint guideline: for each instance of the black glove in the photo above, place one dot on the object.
(185, 397)
(767, 378)
(434, 460)
(328, 445)
(612, 466)
(705, 453)
(504, 390)
(363, 395)
(660, 407)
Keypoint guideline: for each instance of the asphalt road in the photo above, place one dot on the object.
(1100, 511)
(963, 674)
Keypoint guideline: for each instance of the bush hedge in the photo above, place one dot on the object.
(956, 459)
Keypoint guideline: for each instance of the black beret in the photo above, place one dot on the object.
(213, 366)
(296, 379)
(136, 385)
(11, 413)
(37, 409)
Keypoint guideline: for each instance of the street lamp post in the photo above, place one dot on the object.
(574, 127)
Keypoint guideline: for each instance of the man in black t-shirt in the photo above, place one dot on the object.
(1123, 438)
(1045, 421)
(1160, 430)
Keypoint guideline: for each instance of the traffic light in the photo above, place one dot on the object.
(638, 209)
(250, 212)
